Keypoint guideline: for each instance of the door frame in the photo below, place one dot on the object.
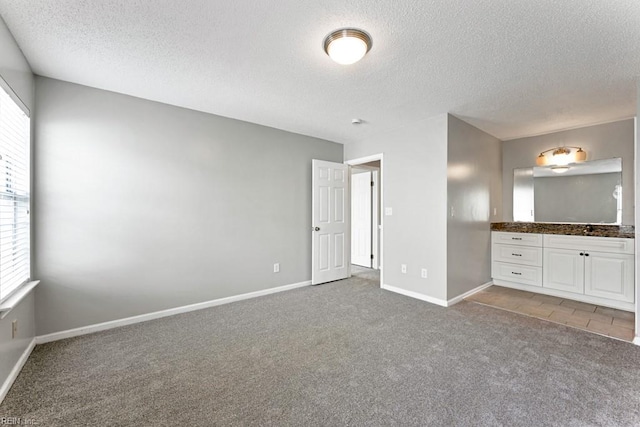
(372, 174)
(381, 177)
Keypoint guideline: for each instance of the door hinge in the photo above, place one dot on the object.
(372, 183)
(371, 256)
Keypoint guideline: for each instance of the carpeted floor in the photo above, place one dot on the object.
(342, 353)
(366, 273)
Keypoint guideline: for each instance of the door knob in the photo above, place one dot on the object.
(316, 228)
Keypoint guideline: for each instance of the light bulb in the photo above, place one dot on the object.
(347, 50)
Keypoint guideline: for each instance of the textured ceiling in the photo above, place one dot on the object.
(510, 67)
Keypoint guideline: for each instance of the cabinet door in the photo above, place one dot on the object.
(609, 276)
(563, 270)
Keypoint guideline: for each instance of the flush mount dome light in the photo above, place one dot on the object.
(347, 45)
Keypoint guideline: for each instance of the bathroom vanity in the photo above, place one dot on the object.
(593, 264)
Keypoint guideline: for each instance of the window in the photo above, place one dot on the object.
(15, 248)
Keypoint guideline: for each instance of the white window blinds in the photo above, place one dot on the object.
(15, 253)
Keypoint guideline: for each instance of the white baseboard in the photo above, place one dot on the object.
(636, 340)
(415, 295)
(4, 389)
(459, 298)
(163, 313)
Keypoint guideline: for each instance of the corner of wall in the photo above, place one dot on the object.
(16, 72)
(474, 187)
(414, 184)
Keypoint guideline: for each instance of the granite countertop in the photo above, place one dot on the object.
(598, 230)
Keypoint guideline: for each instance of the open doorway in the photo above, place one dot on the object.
(366, 218)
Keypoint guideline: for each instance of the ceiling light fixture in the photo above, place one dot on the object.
(561, 156)
(347, 45)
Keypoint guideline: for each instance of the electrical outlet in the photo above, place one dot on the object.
(423, 273)
(14, 329)
(495, 211)
(388, 211)
(276, 267)
(403, 268)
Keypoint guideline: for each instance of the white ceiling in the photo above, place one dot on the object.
(510, 67)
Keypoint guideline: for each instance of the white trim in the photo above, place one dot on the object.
(163, 313)
(636, 176)
(7, 88)
(415, 295)
(433, 300)
(361, 160)
(15, 298)
(459, 298)
(376, 230)
(364, 168)
(381, 177)
(16, 370)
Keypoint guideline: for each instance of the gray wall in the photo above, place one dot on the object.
(144, 206)
(415, 187)
(576, 198)
(600, 142)
(15, 70)
(474, 190)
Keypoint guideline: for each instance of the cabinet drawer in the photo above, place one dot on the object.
(589, 243)
(517, 273)
(524, 255)
(520, 239)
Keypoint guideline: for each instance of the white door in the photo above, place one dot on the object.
(609, 276)
(330, 222)
(375, 215)
(361, 249)
(563, 270)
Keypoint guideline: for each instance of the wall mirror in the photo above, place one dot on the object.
(588, 192)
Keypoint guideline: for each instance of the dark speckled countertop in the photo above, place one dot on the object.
(598, 230)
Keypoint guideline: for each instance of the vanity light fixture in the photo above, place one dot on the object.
(347, 45)
(561, 156)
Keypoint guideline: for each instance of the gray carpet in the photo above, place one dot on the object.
(343, 353)
(365, 273)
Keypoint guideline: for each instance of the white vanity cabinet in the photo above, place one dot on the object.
(517, 257)
(595, 266)
(564, 270)
(597, 270)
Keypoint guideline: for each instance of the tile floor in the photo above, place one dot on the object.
(601, 320)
